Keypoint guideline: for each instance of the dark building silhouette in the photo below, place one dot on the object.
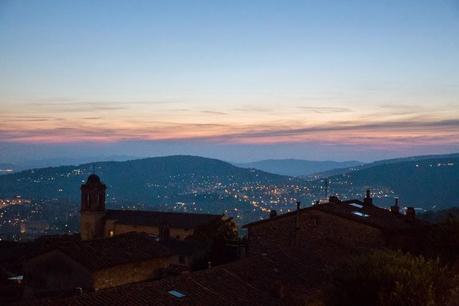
(98, 222)
(347, 224)
(92, 218)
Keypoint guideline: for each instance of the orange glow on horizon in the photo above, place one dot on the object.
(108, 123)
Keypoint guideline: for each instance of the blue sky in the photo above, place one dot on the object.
(369, 79)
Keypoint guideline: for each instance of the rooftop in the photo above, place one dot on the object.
(355, 210)
(93, 181)
(157, 218)
(280, 278)
(108, 252)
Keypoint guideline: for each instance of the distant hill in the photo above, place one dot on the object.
(179, 183)
(338, 171)
(430, 183)
(190, 183)
(297, 167)
(56, 162)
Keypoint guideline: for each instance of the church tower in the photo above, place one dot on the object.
(92, 211)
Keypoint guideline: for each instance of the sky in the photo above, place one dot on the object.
(236, 80)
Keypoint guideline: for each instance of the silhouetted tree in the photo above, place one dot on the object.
(443, 241)
(392, 278)
(218, 234)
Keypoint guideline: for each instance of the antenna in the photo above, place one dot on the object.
(326, 185)
(93, 168)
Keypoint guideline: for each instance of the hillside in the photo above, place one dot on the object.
(297, 167)
(135, 180)
(430, 183)
(338, 171)
(179, 183)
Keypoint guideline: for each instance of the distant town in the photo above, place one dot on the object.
(245, 200)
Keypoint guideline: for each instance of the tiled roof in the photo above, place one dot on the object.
(183, 247)
(108, 252)
(355, 210)
(370, 215)
(12, 254)
(156, 218)
(280, 278)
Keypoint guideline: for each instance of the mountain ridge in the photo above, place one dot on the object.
(338, 171)
(297, 167)
(422, 182)
(133, 173)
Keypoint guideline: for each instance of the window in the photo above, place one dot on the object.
(177, 294)
(360, 214)
(313, 221)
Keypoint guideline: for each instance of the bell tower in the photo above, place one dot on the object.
(92, 210)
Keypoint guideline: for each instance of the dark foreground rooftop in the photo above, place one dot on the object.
(279, 278)
(108, 252)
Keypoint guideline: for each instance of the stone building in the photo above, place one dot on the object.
(97, 264)
(98, 222)
(334, 225)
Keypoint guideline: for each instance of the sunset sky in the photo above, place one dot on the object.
(237, 80)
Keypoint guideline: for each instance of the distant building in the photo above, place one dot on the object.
(98, 222)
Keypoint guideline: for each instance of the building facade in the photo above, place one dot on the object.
(337, 224)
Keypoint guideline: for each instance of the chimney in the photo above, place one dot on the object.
(297, 222)
(164, 232)
(368, 201)
(410, 213)
(396, 208)
(272, 213)
(334, 200)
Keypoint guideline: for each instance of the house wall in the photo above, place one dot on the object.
(55, 271)
(314, 227)
(130, 273)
